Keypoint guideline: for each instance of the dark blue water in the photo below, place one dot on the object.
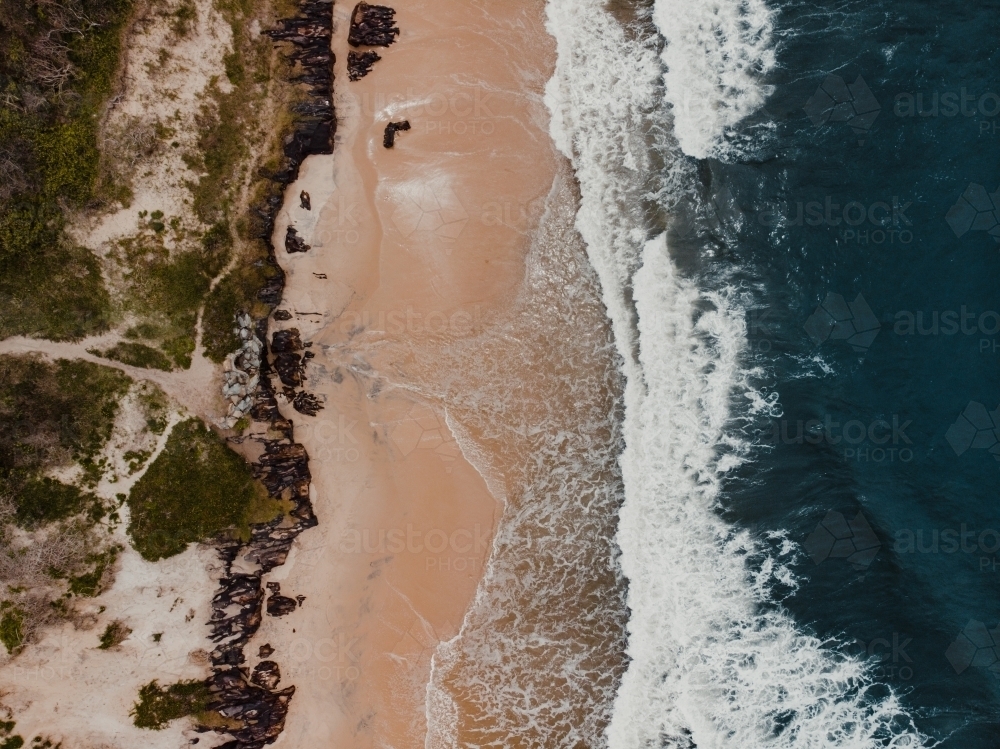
(899, 525)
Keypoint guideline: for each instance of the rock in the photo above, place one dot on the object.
(282, 314)
(300, 599)
(305, 201)
(372, 26)
(306, 403)
(389, 139)
(284, 341)
(266, 674)
(290, 369)
(265, 650)
(358, 66)
(279, 605)
(295, 243)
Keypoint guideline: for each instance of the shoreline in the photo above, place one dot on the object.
(410, 248)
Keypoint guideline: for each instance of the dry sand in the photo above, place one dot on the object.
(412, 247)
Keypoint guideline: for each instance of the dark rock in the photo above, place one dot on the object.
(305, 201)
(358, 66)
(389, 139)
(279, 605)
(265, 651)
(306, 403)
(266, 674)
(282, 314)
(290, 369)
(295, 243)
(286, 341)
(300, 599)
(372, 26)
(309, 355)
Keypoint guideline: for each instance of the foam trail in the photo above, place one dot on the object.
(717, 53)
(713, 662)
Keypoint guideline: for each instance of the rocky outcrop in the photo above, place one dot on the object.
(241, 371)
(253, 701)
(238, 606)
(295, 243)
(389, 139)
(360, 65)
(372, 26)
(305, 201)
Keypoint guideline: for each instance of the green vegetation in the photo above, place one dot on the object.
(51, 413)
(114, 634)
(11, 627)
(196, 489)
(59, 64)
(158, 705)
(89, 583)
(8, 739)
(228, 122)
(44, 500)
(166, 289)
(136, 354)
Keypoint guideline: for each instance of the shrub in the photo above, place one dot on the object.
(196, 489)
(45, 499)
(158, 705)
(12, 629)
(114, 634)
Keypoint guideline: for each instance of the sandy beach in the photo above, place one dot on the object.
(414, 249)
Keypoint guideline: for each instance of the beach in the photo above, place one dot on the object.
(414, 250)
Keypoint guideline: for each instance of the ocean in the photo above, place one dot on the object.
(792, 211)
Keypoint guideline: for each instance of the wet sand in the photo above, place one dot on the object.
(413, 249)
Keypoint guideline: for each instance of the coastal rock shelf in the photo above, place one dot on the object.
(372, 26)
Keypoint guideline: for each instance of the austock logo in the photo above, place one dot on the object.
(839, 320)
(976, 210)
(837, 101)
(976, 429)
(976, 646)
(837, 538)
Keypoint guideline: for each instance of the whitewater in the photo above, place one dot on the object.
(714, 659)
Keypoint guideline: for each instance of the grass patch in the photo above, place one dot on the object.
(43, 500)
(136, 354)
(12, 628)
(165, 289)
(158, 705)
(89, 583)
(51, 414)
(196, 489)
(114, 634)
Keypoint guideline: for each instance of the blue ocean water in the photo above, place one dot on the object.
(853, 214)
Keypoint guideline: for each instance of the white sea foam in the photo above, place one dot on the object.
(714, 662)
(717, 55)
